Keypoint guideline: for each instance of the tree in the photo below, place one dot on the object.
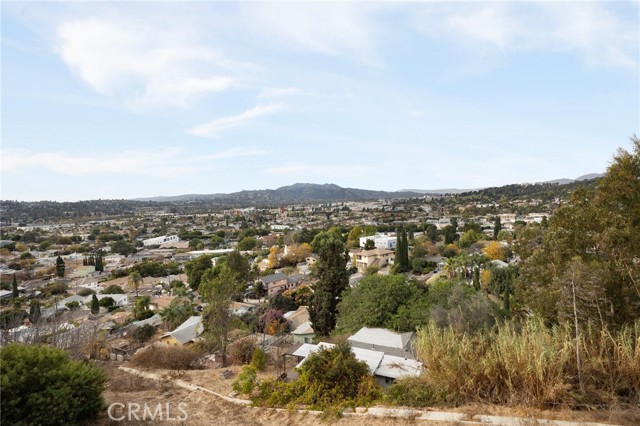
(134, 281)
(273, 257)
(273, 322)
(144, 333)
(333, 278)
(590, 246)
(369, 245)
(41, 385)
(60, 267)
(247, 243)
(239, 265)
(389, 301)
(34, 311)
(402, 252)
(469, 238)
(178, 311)
(259, 359)
(113, 289)
(219, 292)
(95, 305)
(369, 230)
(353, 239)
(497, 227)
(106, 302)
(123, 248)
(495, 251)
(141, 308)
(99, 263)
(14, 288)
(195, 269)
(449, 233)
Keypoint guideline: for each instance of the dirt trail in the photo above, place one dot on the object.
(206, 407)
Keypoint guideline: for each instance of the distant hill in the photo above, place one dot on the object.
(299, 192)
(561, 181)
(589, 176)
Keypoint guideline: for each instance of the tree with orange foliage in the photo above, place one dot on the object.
(495, 251)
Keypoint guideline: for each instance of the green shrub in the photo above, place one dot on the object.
(113, 289)
(85, 292)
(246, 381)
(144, 333)
(41, 385)
(259, 359)
(330, 379)
(412, 392)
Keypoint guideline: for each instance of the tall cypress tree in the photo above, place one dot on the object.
(497, 227)
(95, 305)
(14, 287)
(333, 278)
(60, 267)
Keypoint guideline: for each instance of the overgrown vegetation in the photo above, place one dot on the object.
(531, 365)
(330, 379)
(169, 358)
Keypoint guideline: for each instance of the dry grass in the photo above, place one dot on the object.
(170, 358)
(532, 366)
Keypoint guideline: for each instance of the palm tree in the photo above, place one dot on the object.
(134, 281)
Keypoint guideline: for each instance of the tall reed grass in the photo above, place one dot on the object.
(532, 365)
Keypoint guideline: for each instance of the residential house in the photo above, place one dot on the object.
(277, 283)
(377, 257)
(381, 241)
(304, 333)
(381, 339)
(185, 333)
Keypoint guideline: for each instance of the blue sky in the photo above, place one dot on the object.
(132, 99)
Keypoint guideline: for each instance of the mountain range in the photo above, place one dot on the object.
(307, 192)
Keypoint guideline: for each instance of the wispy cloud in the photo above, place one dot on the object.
(164, 162)
(332, 28)
(145, 66)
(603, 37)
(215, 127)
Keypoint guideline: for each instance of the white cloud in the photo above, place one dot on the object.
(591, 28)
(215, 127)
(339, 29)
(144, 65)
(164, 162)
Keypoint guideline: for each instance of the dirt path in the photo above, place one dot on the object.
(207, 407)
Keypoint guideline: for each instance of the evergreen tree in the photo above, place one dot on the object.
(95, 305)
(34, 311)
(333, 278)
(497, 227)
(405, 251)
(476, 278)
(99, 264)
(14, 287)
(60, 267)
(402, 251)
